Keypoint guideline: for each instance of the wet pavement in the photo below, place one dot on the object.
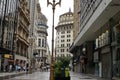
(45, 76)
(33, 76)
(77, 76)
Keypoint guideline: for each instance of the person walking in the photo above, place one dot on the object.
(27, 68)
(10, 68)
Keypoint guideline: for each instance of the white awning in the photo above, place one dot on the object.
(20, 57)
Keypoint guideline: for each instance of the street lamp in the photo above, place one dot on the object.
(52, 60)
(31, 55)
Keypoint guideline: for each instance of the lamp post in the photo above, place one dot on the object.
(31, 55)
(53, 4)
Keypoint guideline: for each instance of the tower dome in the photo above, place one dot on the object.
(42, 20)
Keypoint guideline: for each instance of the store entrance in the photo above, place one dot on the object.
(106, 65)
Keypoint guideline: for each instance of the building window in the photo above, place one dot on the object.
(39, 42)
(62, 40)
(62, 50)
(62, 36)
(68, 45)
(68, 31)
(42, 42)
(116, 64)
(68, 40)
(87, 8)
(63, 32)
(67, 49)
(68, 35)
(62, 45)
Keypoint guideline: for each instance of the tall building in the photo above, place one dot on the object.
(76, 25)
(21, 42)
(8, 24)
(96, 48)
(42, 38)
(64, 34)
(33, 31)
(76, 19)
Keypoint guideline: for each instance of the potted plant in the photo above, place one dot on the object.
(61, 71)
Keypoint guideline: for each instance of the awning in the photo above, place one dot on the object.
(73, 48)
(4, 50)
(20, 57)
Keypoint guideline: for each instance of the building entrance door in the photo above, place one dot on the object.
(106, 69)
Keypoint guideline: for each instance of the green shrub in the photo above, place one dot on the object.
(60, 66)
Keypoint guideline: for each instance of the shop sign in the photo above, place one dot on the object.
(6, 56)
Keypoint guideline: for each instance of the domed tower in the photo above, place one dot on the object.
(42, 38)
(64, 34)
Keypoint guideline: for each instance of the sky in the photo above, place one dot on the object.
(47, 11)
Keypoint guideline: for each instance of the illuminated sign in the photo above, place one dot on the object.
(6, 56)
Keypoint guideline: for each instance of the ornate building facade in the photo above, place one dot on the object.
(8, 23)
(42, 38)
(64, 35)
(33, 6)
(21, 40)
(14, 24)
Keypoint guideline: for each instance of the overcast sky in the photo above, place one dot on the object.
(47, 11)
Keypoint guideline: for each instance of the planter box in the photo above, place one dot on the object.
(62, 78)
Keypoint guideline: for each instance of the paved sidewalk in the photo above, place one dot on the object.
(45, 76)
(87, 76)
(6, 75)
(78, 76)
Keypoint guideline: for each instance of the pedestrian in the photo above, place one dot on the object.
(41, 67)
(10, 68)
(13, 67)
(27, 68)
(16, 68)
(19, 68)
(46, 68)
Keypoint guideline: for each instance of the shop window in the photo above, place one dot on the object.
(116, 34)
(116, 64)
(102, 40)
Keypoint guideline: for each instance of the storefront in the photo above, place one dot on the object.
(116, 62)
(116, 46)
(4, 59)
(106, 62)
(20, 60)
(97, 62)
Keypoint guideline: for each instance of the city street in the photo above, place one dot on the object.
(49, 38)
(45, 76)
